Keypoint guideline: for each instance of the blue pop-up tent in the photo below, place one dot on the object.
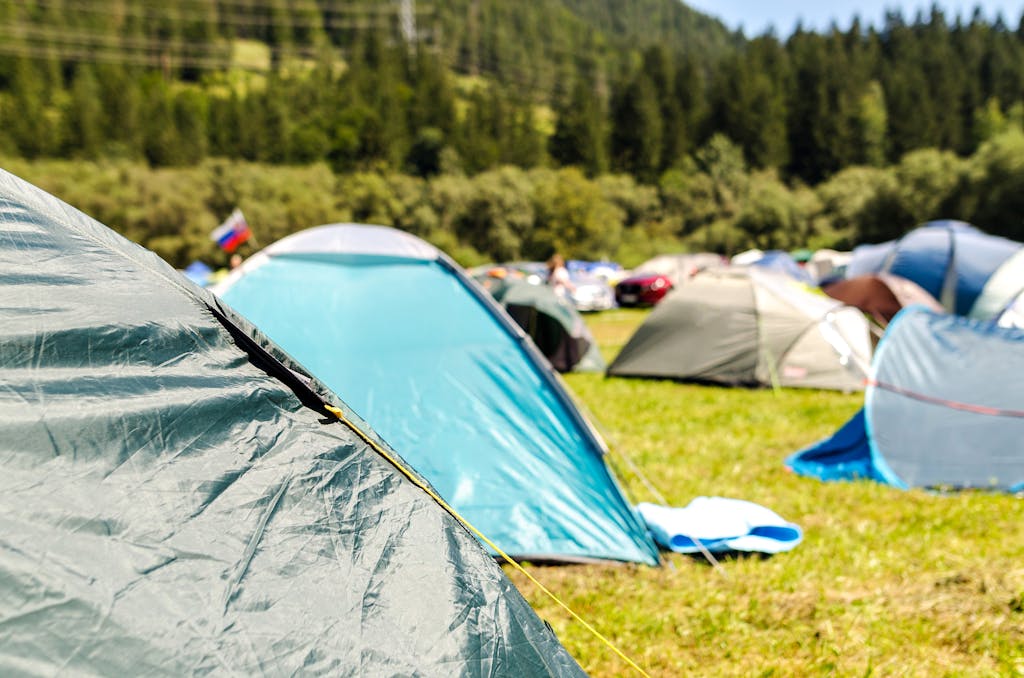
(943, 408)
(424, 353)
(951, 260)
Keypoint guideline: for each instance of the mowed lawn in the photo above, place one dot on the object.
(885, 583)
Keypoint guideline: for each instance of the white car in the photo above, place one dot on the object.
(592, 293)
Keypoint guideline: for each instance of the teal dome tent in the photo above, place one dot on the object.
(427, 356)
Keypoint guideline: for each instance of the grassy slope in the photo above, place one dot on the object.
(885, 583)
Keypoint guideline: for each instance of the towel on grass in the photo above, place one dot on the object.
(721, 525)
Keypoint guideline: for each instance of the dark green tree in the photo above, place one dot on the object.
(84, 119)
(579, 138)
(637, 129)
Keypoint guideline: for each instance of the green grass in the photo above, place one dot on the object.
(886, 582)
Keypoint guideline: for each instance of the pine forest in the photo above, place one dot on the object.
(506, 130)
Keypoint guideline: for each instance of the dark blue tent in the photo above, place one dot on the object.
(943, 408)
(951, 260)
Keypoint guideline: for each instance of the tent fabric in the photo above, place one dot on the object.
(880, 296)
(442, 372)
(198, 272)
(176, 500)
(553, 323)
(932, 416)
(749, 327)
(869, 259)
(720, 525)
(679, 268)
(783, 262)
(1012, 315)
(951, 260)
(827, 264)
(1002, 289)
(846, 455)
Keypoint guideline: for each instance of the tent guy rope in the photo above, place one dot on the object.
(450, 509)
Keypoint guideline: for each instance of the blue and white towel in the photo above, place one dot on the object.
(720, 525)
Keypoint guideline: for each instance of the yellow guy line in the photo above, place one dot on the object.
(447, 507)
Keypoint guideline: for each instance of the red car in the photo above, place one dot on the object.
(645, 289)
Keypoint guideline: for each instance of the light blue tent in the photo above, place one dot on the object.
(951, 260)
(944, 407)
(425, 354)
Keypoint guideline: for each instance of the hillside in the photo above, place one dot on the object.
(537, 46)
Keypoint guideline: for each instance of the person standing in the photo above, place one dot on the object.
(558, 276)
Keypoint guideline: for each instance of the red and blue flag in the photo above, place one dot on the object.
(232, 233)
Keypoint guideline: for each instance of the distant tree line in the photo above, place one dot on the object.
(807, 107)
(606, 149)
(714, 202)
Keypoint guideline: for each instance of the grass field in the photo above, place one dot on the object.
(886, 582)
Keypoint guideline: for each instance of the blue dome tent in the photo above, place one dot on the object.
(951, 260)
(425, 354)
(943, 408)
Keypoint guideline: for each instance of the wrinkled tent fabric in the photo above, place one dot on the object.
(432, 361)
(944, 408)
(553, 323)
(951, 260)
(175, 499)
(880, 296)
(749, 327)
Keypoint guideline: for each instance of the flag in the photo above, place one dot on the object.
(232, 233)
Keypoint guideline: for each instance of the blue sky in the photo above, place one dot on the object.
(755, 16)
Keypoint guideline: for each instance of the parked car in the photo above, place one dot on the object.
(592, 293)
(645, 289)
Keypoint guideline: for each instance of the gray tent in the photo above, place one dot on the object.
(553, 323)
(750, 327)
(176, 498)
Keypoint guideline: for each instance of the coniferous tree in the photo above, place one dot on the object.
(750, 105)
(690, 91)
(160, 142)
(579, 138)
(190, 121)
(659, 65)
(637, 130)
(27, 124)
(84, 116)
(522, 144)
(433, 97)
(121, 100)
(871, 126)
(808, 99)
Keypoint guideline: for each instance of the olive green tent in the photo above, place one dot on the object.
(177, 498)
(749, 327)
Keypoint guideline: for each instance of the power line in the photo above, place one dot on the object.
(68, 42)
(163, 11)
